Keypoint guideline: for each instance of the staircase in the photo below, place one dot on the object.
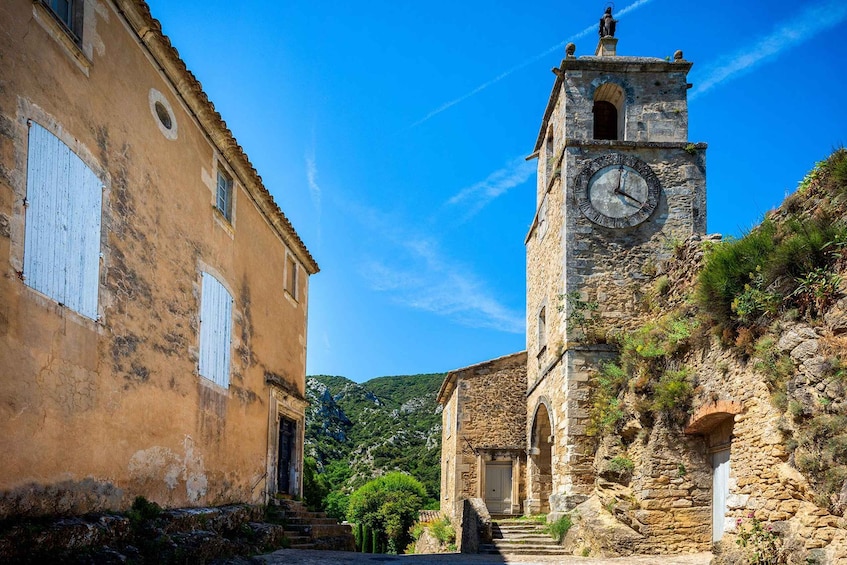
(520, 537)
(310, 530)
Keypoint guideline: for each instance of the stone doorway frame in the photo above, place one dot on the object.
(501, 456)
(284, 405)
(715, 422)
(537, 446)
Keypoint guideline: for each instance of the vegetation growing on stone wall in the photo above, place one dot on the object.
(760, 542)
(775, 366)
(621, 466)
(583, 316)
(606, 409)
(650, 367)
(820, 452)
(781, 265)
(559, 528)
(790, 270)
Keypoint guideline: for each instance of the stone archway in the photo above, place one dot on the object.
(714, 421)
(540, 464)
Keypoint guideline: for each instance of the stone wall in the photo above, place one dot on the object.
(484, 415)
(668, 497)
(654, 96)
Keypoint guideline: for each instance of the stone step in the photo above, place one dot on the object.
(520, 528)
(331, 530)
(540, 538)
(523, 549)
(312, 530)
(522, 543)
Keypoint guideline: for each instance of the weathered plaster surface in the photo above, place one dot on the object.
(98, 412)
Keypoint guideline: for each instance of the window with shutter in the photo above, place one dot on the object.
(291, 276)
(224, 195)
(62, 236)
(215, 331)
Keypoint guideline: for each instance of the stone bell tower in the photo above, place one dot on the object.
(618, 184)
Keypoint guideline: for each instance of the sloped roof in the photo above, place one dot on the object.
(149, 32)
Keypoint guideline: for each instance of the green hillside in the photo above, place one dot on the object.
(359, 431)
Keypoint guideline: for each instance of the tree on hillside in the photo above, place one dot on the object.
(384, 509)
(316, 486)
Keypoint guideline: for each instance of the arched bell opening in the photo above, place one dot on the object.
(609, 112)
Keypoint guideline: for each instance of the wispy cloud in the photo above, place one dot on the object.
(525, 63)
(312, 179)
(414, 272)
(807, 24)
(314, 188)
(476, 196)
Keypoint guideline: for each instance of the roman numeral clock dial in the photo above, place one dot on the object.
(617, 191)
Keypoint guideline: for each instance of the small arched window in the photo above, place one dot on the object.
(548, 155)
(605, 120)
(542, 327)
(609, 112)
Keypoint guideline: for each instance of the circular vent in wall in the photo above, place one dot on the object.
(163, 114)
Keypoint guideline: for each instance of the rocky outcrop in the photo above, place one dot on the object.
(144, 535)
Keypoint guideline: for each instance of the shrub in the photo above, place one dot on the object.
(747, 281)
(727, 270)
(443, 531)
(816, 291)
(142, 509)
(672, 394)
(315, 485)
(621, 466)
(335, 504)
(388, 506)
(559, 528)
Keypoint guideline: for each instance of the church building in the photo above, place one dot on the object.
(651, 431)
(617, 180)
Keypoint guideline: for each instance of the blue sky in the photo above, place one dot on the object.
(393, 135)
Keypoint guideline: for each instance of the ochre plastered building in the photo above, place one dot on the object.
(153, 297)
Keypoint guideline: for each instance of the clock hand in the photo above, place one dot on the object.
(627, 195)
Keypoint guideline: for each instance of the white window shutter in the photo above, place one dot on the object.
(62, 239)
(215, 330)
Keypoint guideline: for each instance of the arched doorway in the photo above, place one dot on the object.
(714, 422)
(541, 462)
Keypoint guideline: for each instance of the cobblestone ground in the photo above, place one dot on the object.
(308, 557)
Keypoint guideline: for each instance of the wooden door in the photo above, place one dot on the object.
(285, 455)
(720, 492)
(498, 488)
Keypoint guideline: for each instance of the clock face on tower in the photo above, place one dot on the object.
(617, 191)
